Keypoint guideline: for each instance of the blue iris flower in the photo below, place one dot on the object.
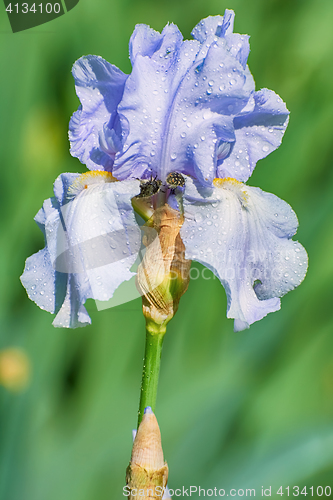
(188, 107)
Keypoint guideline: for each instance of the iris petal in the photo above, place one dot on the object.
(257, 134)
(181, 98)
(92, 240)
(99, 86)
(243, 235)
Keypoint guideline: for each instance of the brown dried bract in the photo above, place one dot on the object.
(163, 275)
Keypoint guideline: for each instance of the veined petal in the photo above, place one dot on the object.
(181, 98)
(243, 235)
(257, 133)
(144, 41)
(94, 130)
(92, 240)
(214, 26)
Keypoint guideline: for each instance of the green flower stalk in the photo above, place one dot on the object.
(162, 278)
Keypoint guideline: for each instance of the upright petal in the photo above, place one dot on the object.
(94, 130)
(257, 133)
(144, 41)
(214, 26)
(92, 240)
(244, 236)
(180, 99)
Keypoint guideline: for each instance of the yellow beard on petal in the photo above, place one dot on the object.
(88, 179)
(233, 185)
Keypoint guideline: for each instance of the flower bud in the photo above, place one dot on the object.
(163, 275)
(147, 473)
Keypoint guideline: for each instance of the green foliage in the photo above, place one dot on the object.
(240, 410)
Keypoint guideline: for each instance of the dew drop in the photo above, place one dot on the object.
(265, 148)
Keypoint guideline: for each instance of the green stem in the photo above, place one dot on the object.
(142, 207)
(150, 373)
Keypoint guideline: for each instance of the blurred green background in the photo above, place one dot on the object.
(236, 410)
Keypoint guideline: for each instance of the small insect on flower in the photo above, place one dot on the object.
(174, 180)
(149, 187)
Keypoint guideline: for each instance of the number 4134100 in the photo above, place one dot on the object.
(295, 491)
(49, 8)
